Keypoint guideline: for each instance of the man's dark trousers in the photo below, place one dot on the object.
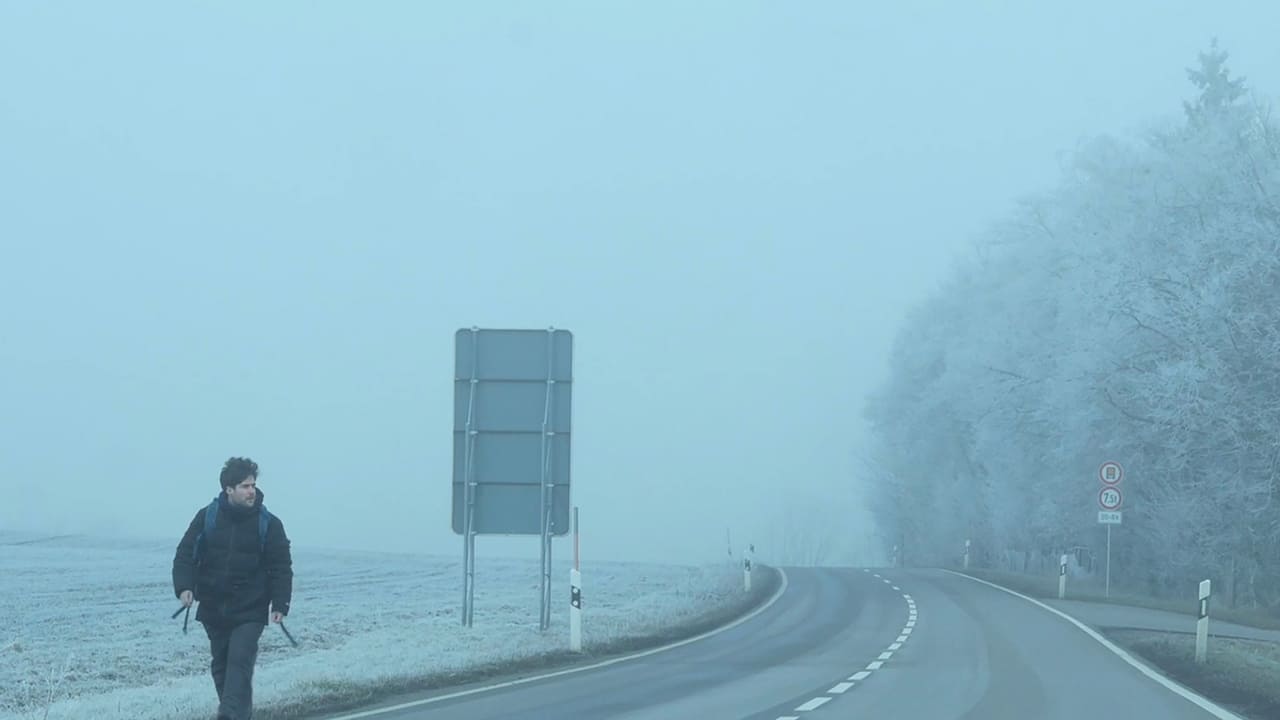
(235, 652)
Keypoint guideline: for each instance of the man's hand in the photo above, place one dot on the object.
(186, 598)
(277, 617)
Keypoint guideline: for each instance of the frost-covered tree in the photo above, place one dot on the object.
(1218, 90)
(1132, 313)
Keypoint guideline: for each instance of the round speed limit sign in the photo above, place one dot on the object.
(1110, 498)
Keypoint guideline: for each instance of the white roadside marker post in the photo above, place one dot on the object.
(575, 594)
(1062, 578)
(1202, 625)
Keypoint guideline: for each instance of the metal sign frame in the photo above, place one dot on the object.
(512, 402)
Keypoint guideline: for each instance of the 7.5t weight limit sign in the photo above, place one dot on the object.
(1110, 498)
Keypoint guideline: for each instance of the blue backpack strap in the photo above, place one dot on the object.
(264, 521)
(210, 521)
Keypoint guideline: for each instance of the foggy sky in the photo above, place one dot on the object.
(252, 229)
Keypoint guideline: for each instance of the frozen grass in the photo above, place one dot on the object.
(85, 630)
(1240, 674)
(1046, 587)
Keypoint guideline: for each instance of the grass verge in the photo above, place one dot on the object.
(1239, 674)
(328, 698)
(1043, 587)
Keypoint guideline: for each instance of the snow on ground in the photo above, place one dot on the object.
(85, 628)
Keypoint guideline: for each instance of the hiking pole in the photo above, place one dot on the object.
(287, 634)
(178, 612)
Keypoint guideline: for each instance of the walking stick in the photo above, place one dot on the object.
(288, 634)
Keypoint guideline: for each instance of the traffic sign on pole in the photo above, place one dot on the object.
(1110, 498)
(1111, 473)
(511, 430)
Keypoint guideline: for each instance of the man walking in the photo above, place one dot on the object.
(235, 561)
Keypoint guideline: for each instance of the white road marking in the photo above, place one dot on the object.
(1200, 701)
(813, 704)
(843, 687)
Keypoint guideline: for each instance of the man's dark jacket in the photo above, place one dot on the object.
(237, 581)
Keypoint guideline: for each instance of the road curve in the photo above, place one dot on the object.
(981, 653)
(844, 642)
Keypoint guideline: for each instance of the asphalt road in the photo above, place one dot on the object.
(847, 643)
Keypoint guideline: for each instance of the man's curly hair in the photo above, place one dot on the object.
(237, 470)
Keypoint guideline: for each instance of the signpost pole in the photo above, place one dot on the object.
(469, 490)
(548, 435)
(1107, 594)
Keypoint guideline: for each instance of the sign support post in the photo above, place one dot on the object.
(1110, 500)
(548, 486)
(1107, 592)
(469, 491)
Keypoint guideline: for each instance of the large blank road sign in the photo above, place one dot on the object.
(512, 393)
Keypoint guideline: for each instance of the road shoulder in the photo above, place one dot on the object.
(1242, 665)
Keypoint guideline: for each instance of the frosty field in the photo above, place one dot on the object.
(85, 628)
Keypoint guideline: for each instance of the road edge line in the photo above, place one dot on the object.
(782, 586)
(1186, 693)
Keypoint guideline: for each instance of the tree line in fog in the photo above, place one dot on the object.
(1130, 314)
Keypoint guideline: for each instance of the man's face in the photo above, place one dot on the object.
(245, 493)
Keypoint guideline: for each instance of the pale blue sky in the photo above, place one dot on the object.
(253, 228)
